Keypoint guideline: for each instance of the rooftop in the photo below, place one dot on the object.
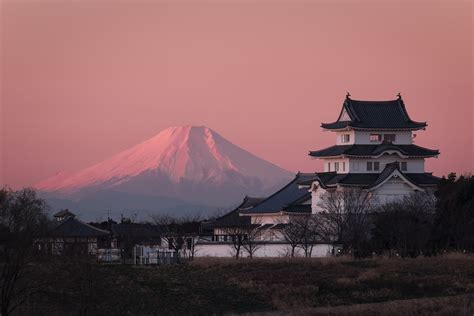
(64, 213)
(233, 218)
(72, 227)
(370, 180)
(374, 150)
(358, 114)
(290, 194)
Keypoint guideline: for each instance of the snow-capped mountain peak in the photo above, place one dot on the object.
(191, 155)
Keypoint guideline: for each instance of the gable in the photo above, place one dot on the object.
(396, 181)
(344, 116)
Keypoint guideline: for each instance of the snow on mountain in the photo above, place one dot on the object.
(191, 163)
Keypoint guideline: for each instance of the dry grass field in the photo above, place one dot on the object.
(441, 285)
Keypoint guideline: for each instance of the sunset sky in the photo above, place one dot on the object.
(83, 80)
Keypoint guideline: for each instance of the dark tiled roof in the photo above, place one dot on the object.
(64, 213)
(386, 172)
(284, 197)
(418, 179)
(230, 219)
(390, 114)
(249, 202)
(72, 227)
(374, 150)
(368, 180)
(302, 208)
(423, 179)
(233, 218)
(353, 179)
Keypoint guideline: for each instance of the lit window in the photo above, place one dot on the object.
(376, 166)
(336, 166)
(404, 166)
(389, 137)
(345, 138)
(375, 137)
(369, 165)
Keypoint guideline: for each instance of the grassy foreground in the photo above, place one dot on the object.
(440, 285)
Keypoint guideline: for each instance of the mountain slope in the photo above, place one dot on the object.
(189, 163)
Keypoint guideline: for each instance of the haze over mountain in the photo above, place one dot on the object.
(182, 169)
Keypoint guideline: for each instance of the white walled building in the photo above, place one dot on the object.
(374, 151)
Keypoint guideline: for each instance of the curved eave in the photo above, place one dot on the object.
(273, 213)
(325, 126)
(295, 213)
(371, 156)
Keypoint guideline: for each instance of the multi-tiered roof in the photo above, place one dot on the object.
(380, 117)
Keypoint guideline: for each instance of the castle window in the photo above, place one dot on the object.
(376, 166)
(336, 166)
(389, 137)
(375, 137)
(343, 166)
(345, 138)
(329, 166)
(369, 165)
(404, 166)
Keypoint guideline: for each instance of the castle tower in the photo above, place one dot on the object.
(374, 151)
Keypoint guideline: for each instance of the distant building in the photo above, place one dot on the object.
(67, 235)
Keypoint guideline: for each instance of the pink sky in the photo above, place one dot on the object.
(83, 80)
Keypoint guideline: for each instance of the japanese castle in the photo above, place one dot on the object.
(374, 151)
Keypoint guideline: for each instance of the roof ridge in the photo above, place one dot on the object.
(385, 174)
(281, 189)
(403, 109)
(303, 198)
(91, 226)
(350, 110)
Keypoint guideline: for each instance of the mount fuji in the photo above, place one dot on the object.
(182, 169)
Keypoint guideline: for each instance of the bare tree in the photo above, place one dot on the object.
(177, 232)
(236, 236)
(22, 222)
(253, 238)
(291, 233)
(246, 237)
(309, 235)
(191, 232)
(345, 217)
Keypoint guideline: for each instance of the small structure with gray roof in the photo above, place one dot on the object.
(69, 235)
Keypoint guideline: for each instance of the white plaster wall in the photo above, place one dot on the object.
(393, 189)
(269, 219)
(315, 198)
(266, 250)
(363, 137)
(414, 165)
(331, 167)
